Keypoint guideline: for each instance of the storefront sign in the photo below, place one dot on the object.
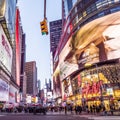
(93, 88)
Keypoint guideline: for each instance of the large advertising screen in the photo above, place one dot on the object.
(5, 50)
(66, 67)
(98, 40)
(2, 8)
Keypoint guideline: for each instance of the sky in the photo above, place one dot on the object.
(38, 45)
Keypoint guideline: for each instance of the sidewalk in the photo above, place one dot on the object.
(88, 116)
(103, 117)
(83, 115)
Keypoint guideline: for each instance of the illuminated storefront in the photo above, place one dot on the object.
(91, 37)
(96, 85)
(98, 45)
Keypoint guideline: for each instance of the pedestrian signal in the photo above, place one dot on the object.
(44, 27)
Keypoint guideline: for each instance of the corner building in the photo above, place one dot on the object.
(89, 52)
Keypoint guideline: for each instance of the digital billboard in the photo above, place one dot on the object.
(2, 8)
(98, 40)
(5, 50)
(66, 67)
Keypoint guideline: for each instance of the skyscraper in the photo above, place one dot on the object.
(31, 73)
(55, 34)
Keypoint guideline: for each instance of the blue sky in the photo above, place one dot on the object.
(37, 45)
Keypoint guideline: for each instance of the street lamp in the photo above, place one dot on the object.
(89, 65)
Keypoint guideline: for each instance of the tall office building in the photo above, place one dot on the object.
(22, 70)
(31, 73)
(55, 34)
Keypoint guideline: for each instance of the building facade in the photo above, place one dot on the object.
(55, 35)
(9, 88)
(23, 78)
(88, 52)
(31, 73)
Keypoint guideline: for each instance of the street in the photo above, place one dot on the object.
(39, 117)
(54, 116)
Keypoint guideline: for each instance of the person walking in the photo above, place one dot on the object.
(65, 110)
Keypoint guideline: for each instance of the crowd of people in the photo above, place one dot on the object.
(91, 109)
(74, 109)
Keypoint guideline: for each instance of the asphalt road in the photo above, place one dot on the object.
(39, 117)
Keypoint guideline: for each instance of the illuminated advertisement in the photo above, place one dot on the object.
(98, 40)
(12, 92)
(66, 67)
(4, 90)
(28, 99)
(5, 50)
(57, 86)
(2, 8)
(17, 36)
(67, 88)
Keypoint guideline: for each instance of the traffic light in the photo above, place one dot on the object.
(44, 27)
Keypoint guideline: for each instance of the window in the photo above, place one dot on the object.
(115, 9)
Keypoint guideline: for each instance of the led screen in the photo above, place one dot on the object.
(98, 40)
(5, 50)
(66, 67)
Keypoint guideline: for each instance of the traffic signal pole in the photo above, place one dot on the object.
(45, 9)
(43, 24)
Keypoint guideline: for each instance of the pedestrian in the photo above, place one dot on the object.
(91, 109)
(111, 109)
(104, 110)
(76, 109)
(71, 109)
(65, 110)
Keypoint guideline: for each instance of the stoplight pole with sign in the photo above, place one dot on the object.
(43, 24)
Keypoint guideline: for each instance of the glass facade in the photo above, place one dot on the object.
(10, 16)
